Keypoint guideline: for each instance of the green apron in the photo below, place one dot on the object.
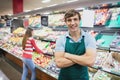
(74, 72)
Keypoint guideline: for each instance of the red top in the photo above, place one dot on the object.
(29, 46)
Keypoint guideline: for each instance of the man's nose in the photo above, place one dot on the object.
(72, 21)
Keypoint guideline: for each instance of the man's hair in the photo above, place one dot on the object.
(71, 13)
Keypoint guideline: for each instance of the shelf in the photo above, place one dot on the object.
(12, 53)
(114, 73)
(47, 71)
(116, 50)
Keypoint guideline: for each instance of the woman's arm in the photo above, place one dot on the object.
(36, 47)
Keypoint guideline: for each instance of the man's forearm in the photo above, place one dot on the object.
(82, 60)
(63, 62)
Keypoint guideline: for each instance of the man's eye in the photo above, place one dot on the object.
(75, 19)
(69, 20)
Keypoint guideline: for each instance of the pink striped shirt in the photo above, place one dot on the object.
(30, 45)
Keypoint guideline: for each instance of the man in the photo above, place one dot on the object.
(75, 50)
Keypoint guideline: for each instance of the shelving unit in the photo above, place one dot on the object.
(45, 74)
(105, 33)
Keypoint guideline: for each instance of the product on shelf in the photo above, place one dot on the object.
(47, 34)
(41, 33)
(35, 21)
(115, 43)
(53, 68)
(116, 56)
(41, 60)
(101, 15)
(5, 30)
(100, 75)
(19, 31)
(17, 51)
(92, 72)
(111, 64)
(114, 20)
(93, 33)
(56, 20)
(91, 75)
(100, 59)
(7, 46)
(1, 43)
(45, 46)
(114, 77)
(16, 40)
(104, 40)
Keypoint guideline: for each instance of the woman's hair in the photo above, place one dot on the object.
(28, 34)
(72, 13)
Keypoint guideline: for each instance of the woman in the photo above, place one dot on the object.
(28, 44)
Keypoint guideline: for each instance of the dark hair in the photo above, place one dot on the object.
(71, 13)
(28, 34)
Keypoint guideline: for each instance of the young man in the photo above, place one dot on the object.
(75, 50)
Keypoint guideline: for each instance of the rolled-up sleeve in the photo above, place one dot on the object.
(90, 42)
(60, 44)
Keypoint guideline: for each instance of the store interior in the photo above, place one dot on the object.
(48, 24)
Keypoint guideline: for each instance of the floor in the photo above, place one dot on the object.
(8, 72)
(3, 76)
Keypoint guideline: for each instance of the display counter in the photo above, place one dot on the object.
(16, 62)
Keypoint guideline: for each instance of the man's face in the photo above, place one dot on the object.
(73, 23)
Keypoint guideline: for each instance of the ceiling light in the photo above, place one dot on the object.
(71, 1)
(15, 18)
(79, 8)
(9, 14)
(27, 10)
(46, 13)
(52, 5)
(45, 1)
(27, 16)
(38, 8)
